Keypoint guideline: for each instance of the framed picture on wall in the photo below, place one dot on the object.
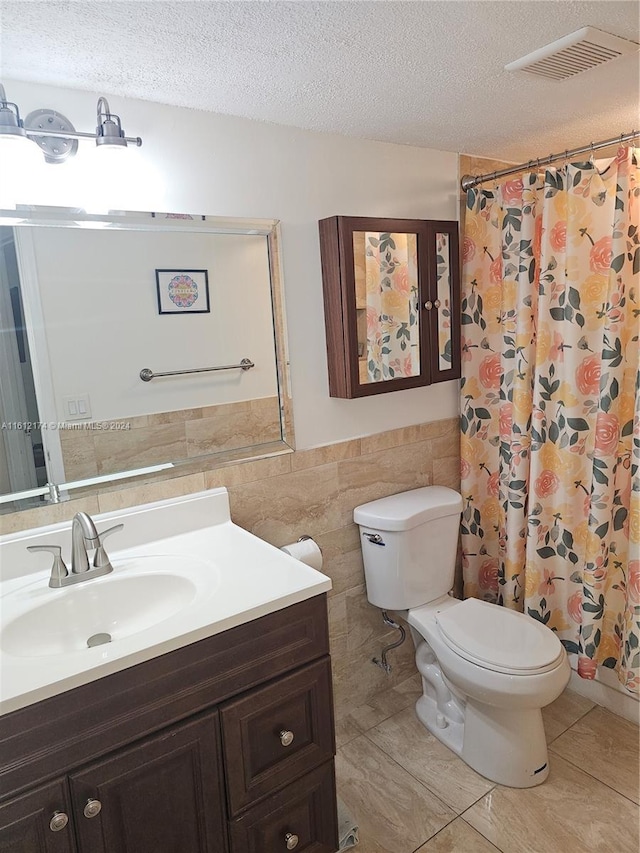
(183, 291)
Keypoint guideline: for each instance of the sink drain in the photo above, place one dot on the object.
(98, 640)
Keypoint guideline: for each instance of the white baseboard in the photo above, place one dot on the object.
(607, 691)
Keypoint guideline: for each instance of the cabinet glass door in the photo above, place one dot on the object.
(386, 287)
(444, 304)
(443, 289)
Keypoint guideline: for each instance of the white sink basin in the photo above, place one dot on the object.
(184, 572)
(117, 605)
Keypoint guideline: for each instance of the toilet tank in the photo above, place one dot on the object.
(409, 544)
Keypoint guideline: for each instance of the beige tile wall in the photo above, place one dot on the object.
(314, 492)
(151, 439)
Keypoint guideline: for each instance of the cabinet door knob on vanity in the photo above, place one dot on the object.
(286, 737)
(92, 808)
(291, 840)
(58, 821)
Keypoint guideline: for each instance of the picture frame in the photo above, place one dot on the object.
(182, 291)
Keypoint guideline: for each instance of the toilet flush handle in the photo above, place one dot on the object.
(375, 538)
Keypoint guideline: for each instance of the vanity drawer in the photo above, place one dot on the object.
(276, 733)
(302, 817)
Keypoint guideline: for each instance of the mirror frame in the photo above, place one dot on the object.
(57, 217)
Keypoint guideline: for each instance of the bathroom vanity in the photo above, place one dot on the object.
(222, 744)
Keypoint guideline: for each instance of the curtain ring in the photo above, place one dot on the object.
(592, 154)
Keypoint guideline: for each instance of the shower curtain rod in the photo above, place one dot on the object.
(468, 182)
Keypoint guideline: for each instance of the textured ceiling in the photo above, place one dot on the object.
(423, 73)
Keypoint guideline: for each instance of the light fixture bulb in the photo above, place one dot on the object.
(119, 178)
(21, 166)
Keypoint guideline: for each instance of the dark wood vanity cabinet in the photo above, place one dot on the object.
(162, 794)
(27, 821)
(223, 746)
(391, 303)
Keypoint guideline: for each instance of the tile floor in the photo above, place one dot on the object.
(410, 794)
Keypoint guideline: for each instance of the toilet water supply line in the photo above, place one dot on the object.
(382, 661)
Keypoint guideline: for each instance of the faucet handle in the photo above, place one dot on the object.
(58, 569)
(101, 558)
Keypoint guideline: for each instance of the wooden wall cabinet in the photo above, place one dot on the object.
(391, 303)
(223, 746)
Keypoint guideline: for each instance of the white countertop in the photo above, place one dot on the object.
(237, 577)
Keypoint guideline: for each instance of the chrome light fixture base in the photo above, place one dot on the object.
(58, 148)
(54, 134)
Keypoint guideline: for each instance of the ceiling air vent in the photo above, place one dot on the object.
(572, 54)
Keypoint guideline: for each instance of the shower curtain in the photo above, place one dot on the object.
(550, 410)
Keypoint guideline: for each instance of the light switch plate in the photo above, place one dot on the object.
(77, 407)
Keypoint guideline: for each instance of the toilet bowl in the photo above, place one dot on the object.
(500, 687)
(486, 671)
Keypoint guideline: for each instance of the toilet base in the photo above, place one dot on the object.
(451, 733)
(506, 746)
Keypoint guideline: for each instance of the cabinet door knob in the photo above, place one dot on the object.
(437, 303)
(92, 808)
(291, 840)
(58, 821)
(286, 739)
(428, 305)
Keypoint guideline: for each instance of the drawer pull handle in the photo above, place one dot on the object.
(291, 840)
(58, 821)
(428, 305)
(92, 808)
(437, 303)
(286, 739)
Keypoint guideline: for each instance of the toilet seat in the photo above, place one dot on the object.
(495, 638)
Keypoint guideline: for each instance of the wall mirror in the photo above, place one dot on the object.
(391, 291)
(135, 343)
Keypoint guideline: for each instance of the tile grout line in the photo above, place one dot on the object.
(575, 722)
(478, 831)
(404, 769)
(453, 820)
(569, 761)
(424, 785)
(587, 773)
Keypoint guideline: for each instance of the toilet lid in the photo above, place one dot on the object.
(498, 638)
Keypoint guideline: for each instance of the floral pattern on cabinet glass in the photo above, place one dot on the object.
(390, 302)
(551, 405)
(443, 287)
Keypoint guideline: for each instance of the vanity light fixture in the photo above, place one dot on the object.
(54, 134)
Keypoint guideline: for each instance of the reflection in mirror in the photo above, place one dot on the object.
(386, 280)
(22, 464)
(443, 277)
(106, 297)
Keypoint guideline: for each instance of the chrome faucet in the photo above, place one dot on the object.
(83, 535)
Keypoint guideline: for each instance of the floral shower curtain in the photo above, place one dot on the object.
(551, 405)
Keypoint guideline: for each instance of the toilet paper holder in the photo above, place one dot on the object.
(307, 550)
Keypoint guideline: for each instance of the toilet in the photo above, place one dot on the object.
(487, 671)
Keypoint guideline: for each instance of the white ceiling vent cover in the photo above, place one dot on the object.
(572, 54)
